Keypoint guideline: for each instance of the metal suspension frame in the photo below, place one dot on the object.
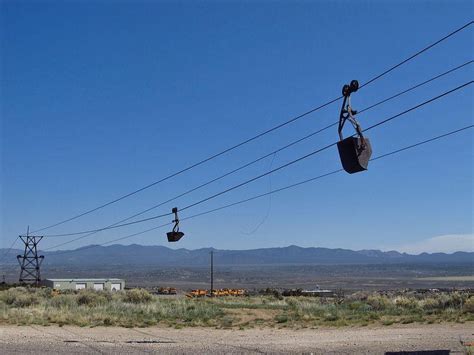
(175, 234)
(347, 113)
(176, 219)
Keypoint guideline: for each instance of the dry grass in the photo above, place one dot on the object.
(138, 308)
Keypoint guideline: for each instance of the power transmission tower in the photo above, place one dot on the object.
(30, 262)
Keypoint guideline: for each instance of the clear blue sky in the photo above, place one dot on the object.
(101, 98)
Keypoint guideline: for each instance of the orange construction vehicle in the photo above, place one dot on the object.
(167, 291)
(197, 293)
(216, 293)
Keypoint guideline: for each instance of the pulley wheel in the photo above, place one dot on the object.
(346, 90)
(354, 85)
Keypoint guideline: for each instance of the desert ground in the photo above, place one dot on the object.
(347, 340)
(347, 277)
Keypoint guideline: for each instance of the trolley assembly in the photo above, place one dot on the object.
(175, 234)
(354, 151)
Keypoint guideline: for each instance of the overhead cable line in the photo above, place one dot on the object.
(110, 241)
(9, 267)
(195, 188)
(394, 152)
(415, 86)
(254, 137)
(417, 54)
(322, 149)
(112, 227)
(326, 174)
(191, 166)
(420, 105)
(94, 231)
(4, 255)
(272, 170)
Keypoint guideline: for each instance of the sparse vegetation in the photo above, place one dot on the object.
(137, 307)
(137, 295)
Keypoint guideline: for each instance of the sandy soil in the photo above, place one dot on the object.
(368, 340)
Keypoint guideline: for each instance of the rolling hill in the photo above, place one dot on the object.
(159, 255)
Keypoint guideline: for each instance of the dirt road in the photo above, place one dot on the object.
(372, 340)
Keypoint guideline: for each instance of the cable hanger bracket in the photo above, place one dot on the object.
(175, 234)
(354, 151)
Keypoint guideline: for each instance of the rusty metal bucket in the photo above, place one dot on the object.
(355, 154)
(174, 236)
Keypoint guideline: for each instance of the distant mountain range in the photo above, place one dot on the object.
(159, 255)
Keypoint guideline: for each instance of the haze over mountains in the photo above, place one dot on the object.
(159, 255)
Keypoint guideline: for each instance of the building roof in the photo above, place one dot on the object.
(83, 280)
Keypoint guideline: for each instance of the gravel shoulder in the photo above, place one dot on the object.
(102, 340)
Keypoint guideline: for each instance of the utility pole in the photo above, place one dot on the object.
(30, 262)
(212, 273)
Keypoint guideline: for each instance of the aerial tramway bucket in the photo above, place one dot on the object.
(354, 151)
(175, 234)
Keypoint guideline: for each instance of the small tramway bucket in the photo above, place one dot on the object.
(355, 154)
(174, 236)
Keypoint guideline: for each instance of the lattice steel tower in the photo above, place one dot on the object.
(30, 262)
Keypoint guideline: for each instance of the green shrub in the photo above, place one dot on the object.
(331, 317)
(227, 321)
(19, 297)
(138, 308)
(62, 301)
(25, 300)
(469, 305)
(137, 295)
(406, 302)
(378, 303)
(457, 299)
(91, 298)
(359, 307)
(281, 318)
(432, 303)
(7, 297)
(43, 293)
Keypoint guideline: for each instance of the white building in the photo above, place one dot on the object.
(80, 284)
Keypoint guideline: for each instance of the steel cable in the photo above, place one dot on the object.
(394, 152)
(272, 170)
(254, 137)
